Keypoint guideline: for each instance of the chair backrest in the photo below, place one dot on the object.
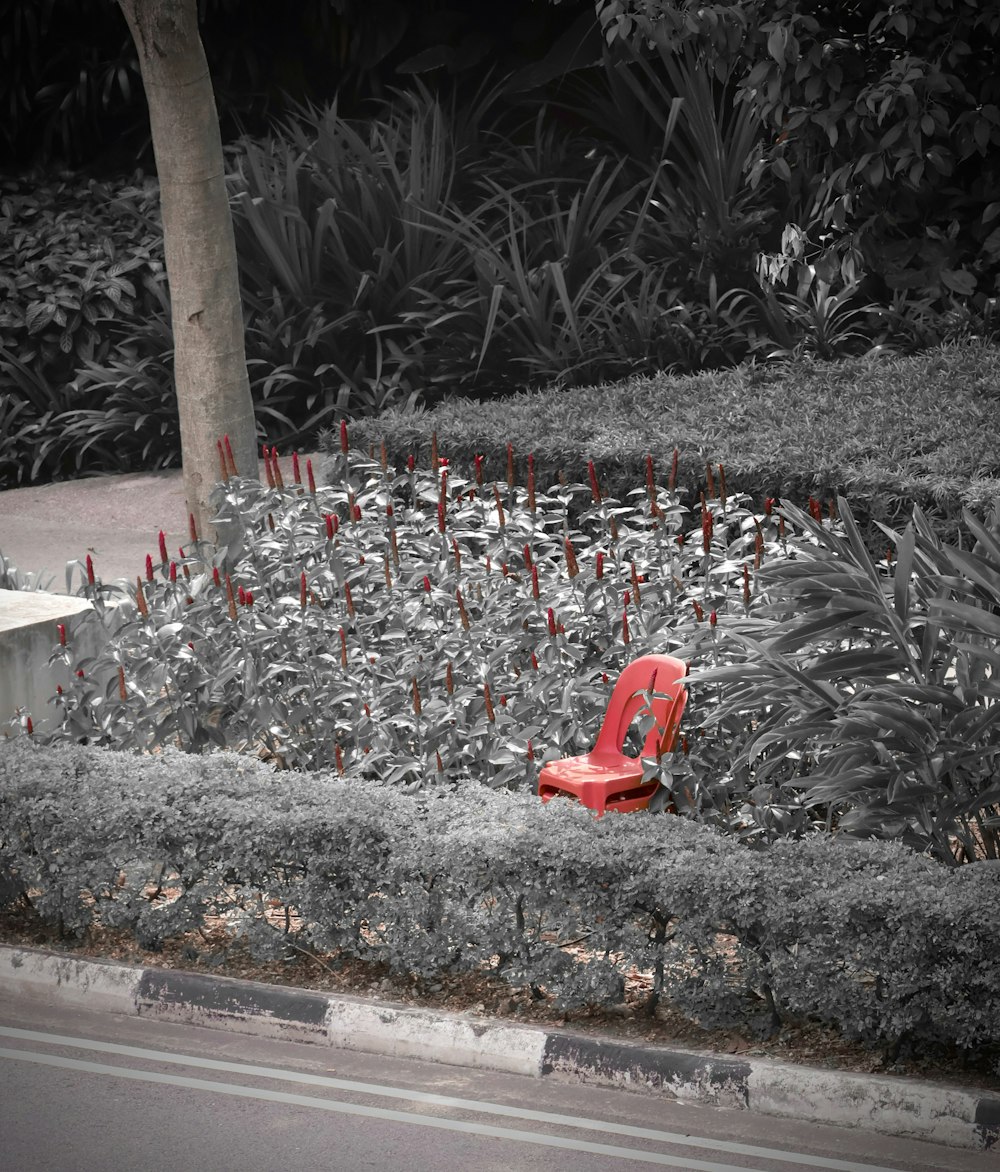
(650, 673)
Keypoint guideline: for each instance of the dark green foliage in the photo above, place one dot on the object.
(882, 944)
(883, 123)
(71, 91)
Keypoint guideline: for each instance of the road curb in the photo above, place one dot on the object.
(908, 1108)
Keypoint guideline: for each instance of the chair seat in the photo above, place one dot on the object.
(601, 782)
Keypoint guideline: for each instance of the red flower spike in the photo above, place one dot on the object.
(249, 598)
(296, 468)
(628, 598)
(479, 469)
(530, 751)
(435, 458)
(461, 610)
(349, 600)
(357, 512)
(343, 649)
(534, 661)
(534, 583)
(163, 547)
(672, 482)
(192, 527)
(680, 538)
(230, 462)
(438, 762)
(389, 511)
(489, 565)
(411, 463)
(768, 506)
(383, 457)
(368, 711)
(417, 706)
(527, 556)
(449, 681)
(626, 638)
(650, 478)
(61, 628)
(572, 567)
(215, 576)
(600, 564)
(149, 567)
(427, 584)
(241, 596)
(510, 465)
(490, 714)
(231, 598)
(328, 522)
(699, 614)
(441, 517)
(504, 569)
(344, 445)
(723, 495)
(173, 572)
(267, 467)
(279, 480)
(59, 690)
(595, 488)
(90, 570)
(223, 470)
(746, 585)
(503, 701)
(707, 527)
(604, 677)
(500, 516)
(635, 585)
(29, 727)
(339, 757)
(457, 555)
(815, 510)
(552, 622)
(79, 673)
(122, 693)
(685, 746)
(713, 619)
(140, 599)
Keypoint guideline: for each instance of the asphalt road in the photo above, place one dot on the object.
(84, 1092)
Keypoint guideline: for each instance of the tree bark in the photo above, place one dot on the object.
(213, 388)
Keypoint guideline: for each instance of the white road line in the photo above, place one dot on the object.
(480, 1106)
(224, 1088)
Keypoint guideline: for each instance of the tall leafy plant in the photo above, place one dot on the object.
(869, 691)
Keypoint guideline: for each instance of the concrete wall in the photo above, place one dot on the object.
(28, 634)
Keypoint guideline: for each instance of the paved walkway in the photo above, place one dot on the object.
(116, 519)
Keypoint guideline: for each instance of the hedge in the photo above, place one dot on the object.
(881, 943)
(885, 431)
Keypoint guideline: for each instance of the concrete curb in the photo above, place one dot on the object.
(909, 1108)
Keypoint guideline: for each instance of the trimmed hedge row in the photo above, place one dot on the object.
(886, 432)
(869, 937)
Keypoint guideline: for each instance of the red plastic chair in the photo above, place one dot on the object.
(605, 778)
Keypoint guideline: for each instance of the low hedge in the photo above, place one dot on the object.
(886, 432)
(883, 944)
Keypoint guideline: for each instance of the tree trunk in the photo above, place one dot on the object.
(213, 389)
